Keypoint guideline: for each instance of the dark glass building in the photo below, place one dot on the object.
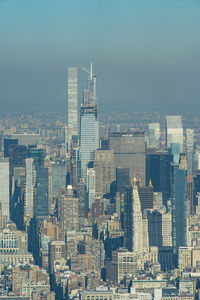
(179, 207)
(37, 155)
(154, 228)
(146, 197)
(7, 144)
(158, 171)
(122, 179)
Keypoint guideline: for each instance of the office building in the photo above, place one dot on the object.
(90, 184)
(4, 191)
(135, 231)
(57, 252)
(17, 155)
(191, 194)
(89, 135)
(104, 170)
(41, 207)
(196, 160)
(146, 195)
(154, 135)
(68, 212)
(7, 144)
(122, 179)
(37, 155)
(158, 172)
(167, 229)
(174, 131)
(123, 262)
(29, 190)
(58, 178)
(26, 139)
(82, 207)
(189, 141)
(12, 241)
(89, 125)
(72, 107)
(129, 152)
(179, 207)
(154, 228)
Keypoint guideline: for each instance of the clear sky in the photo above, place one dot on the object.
(146, 53)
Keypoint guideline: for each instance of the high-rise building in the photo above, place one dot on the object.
(122, 179)
(68, 212)
(89, 135)
(104, 170)
(17, 155)
(158, 171)
(146, 197)
(57, 252)
(4, 191)
(197, 160)
(174, 131)
(38, 156)
(179, 207)
(72, 112)
(154, 135)
(58, 178)
(135, 231)
(89, 125)
(90, 184)
(81, 195)
(7, 144)
(41, 207)
(190, 150)
(129, 152)
(154, 228)
(191, 194)
(30, 180)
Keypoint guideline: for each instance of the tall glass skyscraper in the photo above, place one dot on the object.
(89, 136)
(179, 207)
(89, 125)
(72, 112)
(41, 207)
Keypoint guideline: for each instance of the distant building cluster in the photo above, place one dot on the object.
(92, 209)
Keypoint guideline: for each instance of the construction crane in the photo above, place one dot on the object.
(92, 77)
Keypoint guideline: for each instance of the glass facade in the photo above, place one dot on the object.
(89, 136)
(58, 178)
(41, 208)
(179, 207)
(72, 113)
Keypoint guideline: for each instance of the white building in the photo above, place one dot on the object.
(4, 191)
(72, 112)
(154, 135)
(174, 131)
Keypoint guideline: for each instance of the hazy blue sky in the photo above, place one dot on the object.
(146, 53)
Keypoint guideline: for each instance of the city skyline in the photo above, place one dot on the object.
(149, 48)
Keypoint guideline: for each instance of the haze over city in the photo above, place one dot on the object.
(146, 53)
